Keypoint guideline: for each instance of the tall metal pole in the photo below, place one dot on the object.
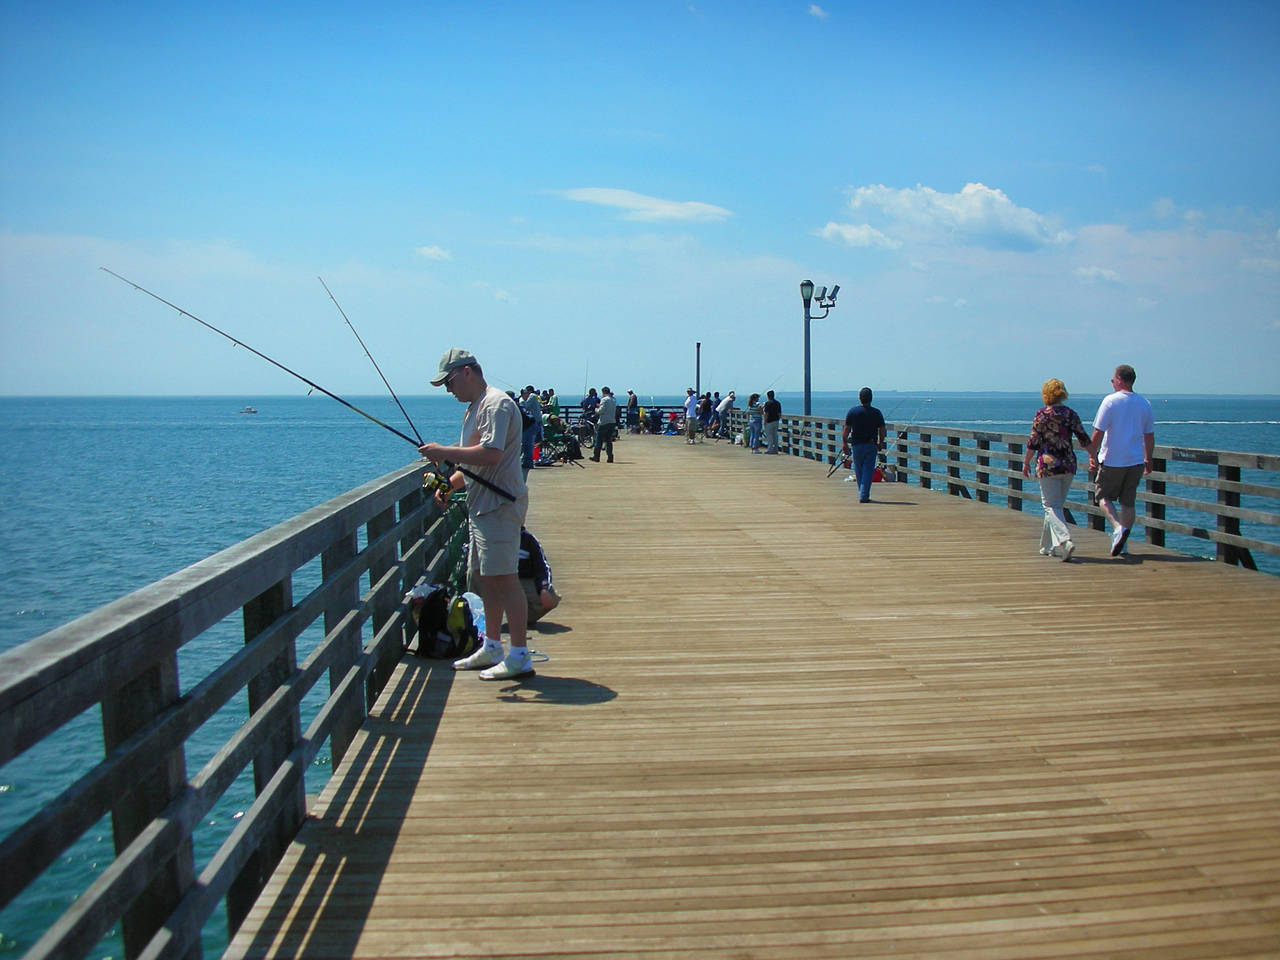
(697, 369)
(806, 294)
(808, 407)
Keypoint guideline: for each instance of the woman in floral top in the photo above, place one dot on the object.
(1051, 433)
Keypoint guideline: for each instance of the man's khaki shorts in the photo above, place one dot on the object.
(1120, 484)
(495, 540)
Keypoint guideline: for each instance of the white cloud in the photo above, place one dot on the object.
(1261, 265)
(1097, 275)
(858, 235)
(637, 206)
(434, 253)
(817, 11)
(976, 216)
(497, 293)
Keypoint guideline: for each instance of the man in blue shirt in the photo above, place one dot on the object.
(863, 437)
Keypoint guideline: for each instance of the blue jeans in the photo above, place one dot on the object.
(527, 441)
(753, 433)
(863, 456)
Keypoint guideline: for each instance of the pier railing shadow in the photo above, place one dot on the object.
(123, 660)
(1223, 501)
(401, 736)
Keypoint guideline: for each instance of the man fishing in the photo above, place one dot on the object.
(490, 445)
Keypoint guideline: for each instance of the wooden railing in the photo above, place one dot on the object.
(1229, 499)
(370, 543)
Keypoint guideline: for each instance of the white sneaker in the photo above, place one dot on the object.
(1046, 551)
(486, 656)
(1118, 541)
(515, 665)
(1068, 549)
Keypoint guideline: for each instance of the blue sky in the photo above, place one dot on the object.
(580, 191)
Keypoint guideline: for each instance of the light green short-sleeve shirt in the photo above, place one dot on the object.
(493, 420)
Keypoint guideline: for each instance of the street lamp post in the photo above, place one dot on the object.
(826, 301)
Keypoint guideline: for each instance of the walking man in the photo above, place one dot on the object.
(497, 501)
(1124, 438)
(863, 438)
(607, 425)
(772, 416)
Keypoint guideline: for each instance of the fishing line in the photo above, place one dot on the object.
(311, 383)
(371, 360)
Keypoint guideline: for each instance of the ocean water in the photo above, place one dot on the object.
(105, 495)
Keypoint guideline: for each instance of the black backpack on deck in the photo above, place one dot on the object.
(446, 629)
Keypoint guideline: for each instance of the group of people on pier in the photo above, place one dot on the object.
(494, 453)
(710, 414)
(1120, 451)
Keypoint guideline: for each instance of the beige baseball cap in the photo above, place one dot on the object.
(453, 359)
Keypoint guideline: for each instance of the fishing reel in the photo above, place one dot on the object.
(437, 480)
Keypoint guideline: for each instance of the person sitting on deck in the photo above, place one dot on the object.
(535, 578)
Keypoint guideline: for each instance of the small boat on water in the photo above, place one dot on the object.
(249, 410)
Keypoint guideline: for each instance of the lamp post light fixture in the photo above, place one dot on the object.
(826, 301)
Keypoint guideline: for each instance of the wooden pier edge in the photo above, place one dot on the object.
(779, 723)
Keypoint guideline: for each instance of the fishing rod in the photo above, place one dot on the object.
(371, 360)
(311, 383)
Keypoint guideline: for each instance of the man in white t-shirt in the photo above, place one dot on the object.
(497, 501)
(723, 409)
(690, 415)
(1124, 437)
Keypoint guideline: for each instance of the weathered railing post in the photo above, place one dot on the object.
(1015, 481)
(124, 712)
(984, 477)
(1096, 520)
(259, 614)
(350, 714)
(926, 459)
(384, 605)
(903, 459)
(1229, 553)
(954, 486)
(1155, 535)
(411, 574)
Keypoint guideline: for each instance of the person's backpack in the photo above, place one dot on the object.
(447, 628)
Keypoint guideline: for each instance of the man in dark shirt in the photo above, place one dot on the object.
(863, 438)
(772, 416)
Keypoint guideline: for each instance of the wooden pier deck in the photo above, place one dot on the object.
(777, 723)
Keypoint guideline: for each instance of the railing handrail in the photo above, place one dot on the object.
(124, 657)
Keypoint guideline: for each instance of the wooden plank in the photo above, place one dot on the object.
(779, 723)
